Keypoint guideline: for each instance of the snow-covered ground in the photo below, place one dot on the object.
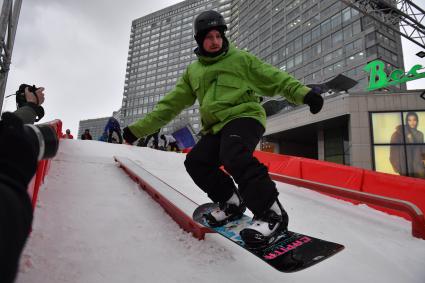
(93, 224)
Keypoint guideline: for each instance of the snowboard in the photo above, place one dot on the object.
(290, 253)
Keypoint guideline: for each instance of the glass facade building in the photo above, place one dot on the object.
(314, 40)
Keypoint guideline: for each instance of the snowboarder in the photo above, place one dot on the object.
(169, 140)
(225, 80)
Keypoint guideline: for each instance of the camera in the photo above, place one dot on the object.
(44, 139)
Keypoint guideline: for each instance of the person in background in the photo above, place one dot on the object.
(86, 135)
(144, 142)
(68, 135)
(169, 140)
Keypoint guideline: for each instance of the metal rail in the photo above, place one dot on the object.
(156, 188)
(418, 221)
(167, 196)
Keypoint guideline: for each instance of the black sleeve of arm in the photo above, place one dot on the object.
(15, 224)
(27, 113)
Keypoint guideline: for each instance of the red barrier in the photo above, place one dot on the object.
(42, 168)
(39, 176)
(358, 179)
(405, 188)
(284, 164)
(416, 215)
(332, 174)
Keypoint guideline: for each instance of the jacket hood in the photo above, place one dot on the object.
(399, 129)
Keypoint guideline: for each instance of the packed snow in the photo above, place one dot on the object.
(93, 224)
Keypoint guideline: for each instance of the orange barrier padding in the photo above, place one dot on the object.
(332, 174)
(42, 168)
(399, 187)
(39, 176)
(277, 163)
(30, 189)
(358, 179)
(415, 214)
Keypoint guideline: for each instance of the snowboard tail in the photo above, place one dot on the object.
(291, 251)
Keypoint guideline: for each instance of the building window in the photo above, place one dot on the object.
(325, 26)
(336, 20)
(307, 54)
(317, 49)
(346, 14)
(327, 43)
(298, 43)
(336, 145)
(315, 33)
(290, 63)
(307, 37)
(336, 38)
(298, 59)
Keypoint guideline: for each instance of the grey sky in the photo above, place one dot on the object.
(78, 51)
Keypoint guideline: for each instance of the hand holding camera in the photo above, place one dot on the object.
(31, 96)
(34, 95)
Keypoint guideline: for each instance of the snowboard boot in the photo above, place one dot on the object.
(230, 210)
(266, 228)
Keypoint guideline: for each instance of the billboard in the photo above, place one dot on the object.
(184, 138)
(398, 142)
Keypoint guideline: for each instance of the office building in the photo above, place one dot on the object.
(312, 40)
(95, 126)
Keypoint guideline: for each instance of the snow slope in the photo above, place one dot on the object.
(93, 224)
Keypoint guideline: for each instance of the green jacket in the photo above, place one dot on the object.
(226, 88)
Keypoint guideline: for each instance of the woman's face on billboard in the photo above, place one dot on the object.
(412, 122)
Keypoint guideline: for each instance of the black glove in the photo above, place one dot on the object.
(18, 159)
(129, 136)
(314, 100)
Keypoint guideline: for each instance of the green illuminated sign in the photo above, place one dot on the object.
(378, 78)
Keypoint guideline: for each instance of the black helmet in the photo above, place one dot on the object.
(207, 20)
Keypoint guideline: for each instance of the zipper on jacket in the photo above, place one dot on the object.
(215, 88)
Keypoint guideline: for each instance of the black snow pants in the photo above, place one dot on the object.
(233, 148)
